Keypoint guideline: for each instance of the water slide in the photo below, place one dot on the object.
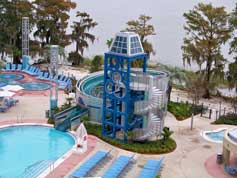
(150, 109)
(65, 119)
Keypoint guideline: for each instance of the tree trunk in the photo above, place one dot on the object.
(16, 59)
(169, 92)
(208, 76)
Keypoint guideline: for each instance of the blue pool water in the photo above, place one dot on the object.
(36, 86)
(6, 77)
(2, 84)
(216, 136)
(23, 146)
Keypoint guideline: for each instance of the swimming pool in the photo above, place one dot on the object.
(36, 86)
(24, 146)
(215, 136)
(7, 77)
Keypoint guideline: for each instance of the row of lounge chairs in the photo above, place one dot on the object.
(6, 103)
(151, 168)
(13, 67)
(62, 80)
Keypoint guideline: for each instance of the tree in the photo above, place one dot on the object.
(195, 87)
(233, 26)
(109, 42)
(143, 29)
(232, 72)
(166, 133)
(52, 20)
(207, 30)
(96, 64)
(80, 35)
(11, 13)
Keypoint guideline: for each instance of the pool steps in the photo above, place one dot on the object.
(34, 170)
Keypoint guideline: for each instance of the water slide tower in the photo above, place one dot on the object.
(118, 97)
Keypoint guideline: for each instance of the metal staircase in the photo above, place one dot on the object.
(149, 107)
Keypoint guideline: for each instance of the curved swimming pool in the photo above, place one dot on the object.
(22, 146)
(36, 86)
(6, 77)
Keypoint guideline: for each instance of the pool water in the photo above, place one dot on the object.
(2, 84)
(36, 86)
(6, 77)
(22, 146)
(216, 136)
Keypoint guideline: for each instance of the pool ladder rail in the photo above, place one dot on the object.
(34, 170)
(19, 119)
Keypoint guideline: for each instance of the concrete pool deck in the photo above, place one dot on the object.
(187, 161)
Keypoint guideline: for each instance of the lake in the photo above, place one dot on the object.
(167, 19)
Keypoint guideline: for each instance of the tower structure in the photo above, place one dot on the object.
(53, 72)
(25, 41)
(118, 97)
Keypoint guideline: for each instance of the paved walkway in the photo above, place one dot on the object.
(65, 167)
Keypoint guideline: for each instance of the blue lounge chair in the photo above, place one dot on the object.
(55, 78)
(151, 168)
(85, 168)
(37, 70)
(61, 78)
(3, 108)
(40, 75)
(8, 67)
(27, 68)
(13, 67)
(46, 76)
(117, 167)
(19, 67)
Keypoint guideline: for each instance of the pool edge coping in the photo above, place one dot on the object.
(204, 134)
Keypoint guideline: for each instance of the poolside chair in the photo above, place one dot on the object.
(40, 75)
(61, 78)
(3, 108)
(13, 67)
(12, 101)
(8, 67)
(55, 78)
(117, 167)
(87, 166)
(27, 68)
(46, 76)
(37, 70)
(151, 168)
(19, 67)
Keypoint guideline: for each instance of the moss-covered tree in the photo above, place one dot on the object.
(207, 30)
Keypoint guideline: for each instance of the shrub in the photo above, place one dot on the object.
(229, 119)
(51, 121)
(149, 147)
(96, 64)
(183, 110)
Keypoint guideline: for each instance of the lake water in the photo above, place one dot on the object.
(167, 19)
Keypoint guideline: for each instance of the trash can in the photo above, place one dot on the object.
(219, 158)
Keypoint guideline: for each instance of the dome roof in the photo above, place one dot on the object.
(126, 44)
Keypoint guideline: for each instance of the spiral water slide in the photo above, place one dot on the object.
(153, 107)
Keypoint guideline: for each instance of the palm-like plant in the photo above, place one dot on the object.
(81, 35)
(166, 133)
